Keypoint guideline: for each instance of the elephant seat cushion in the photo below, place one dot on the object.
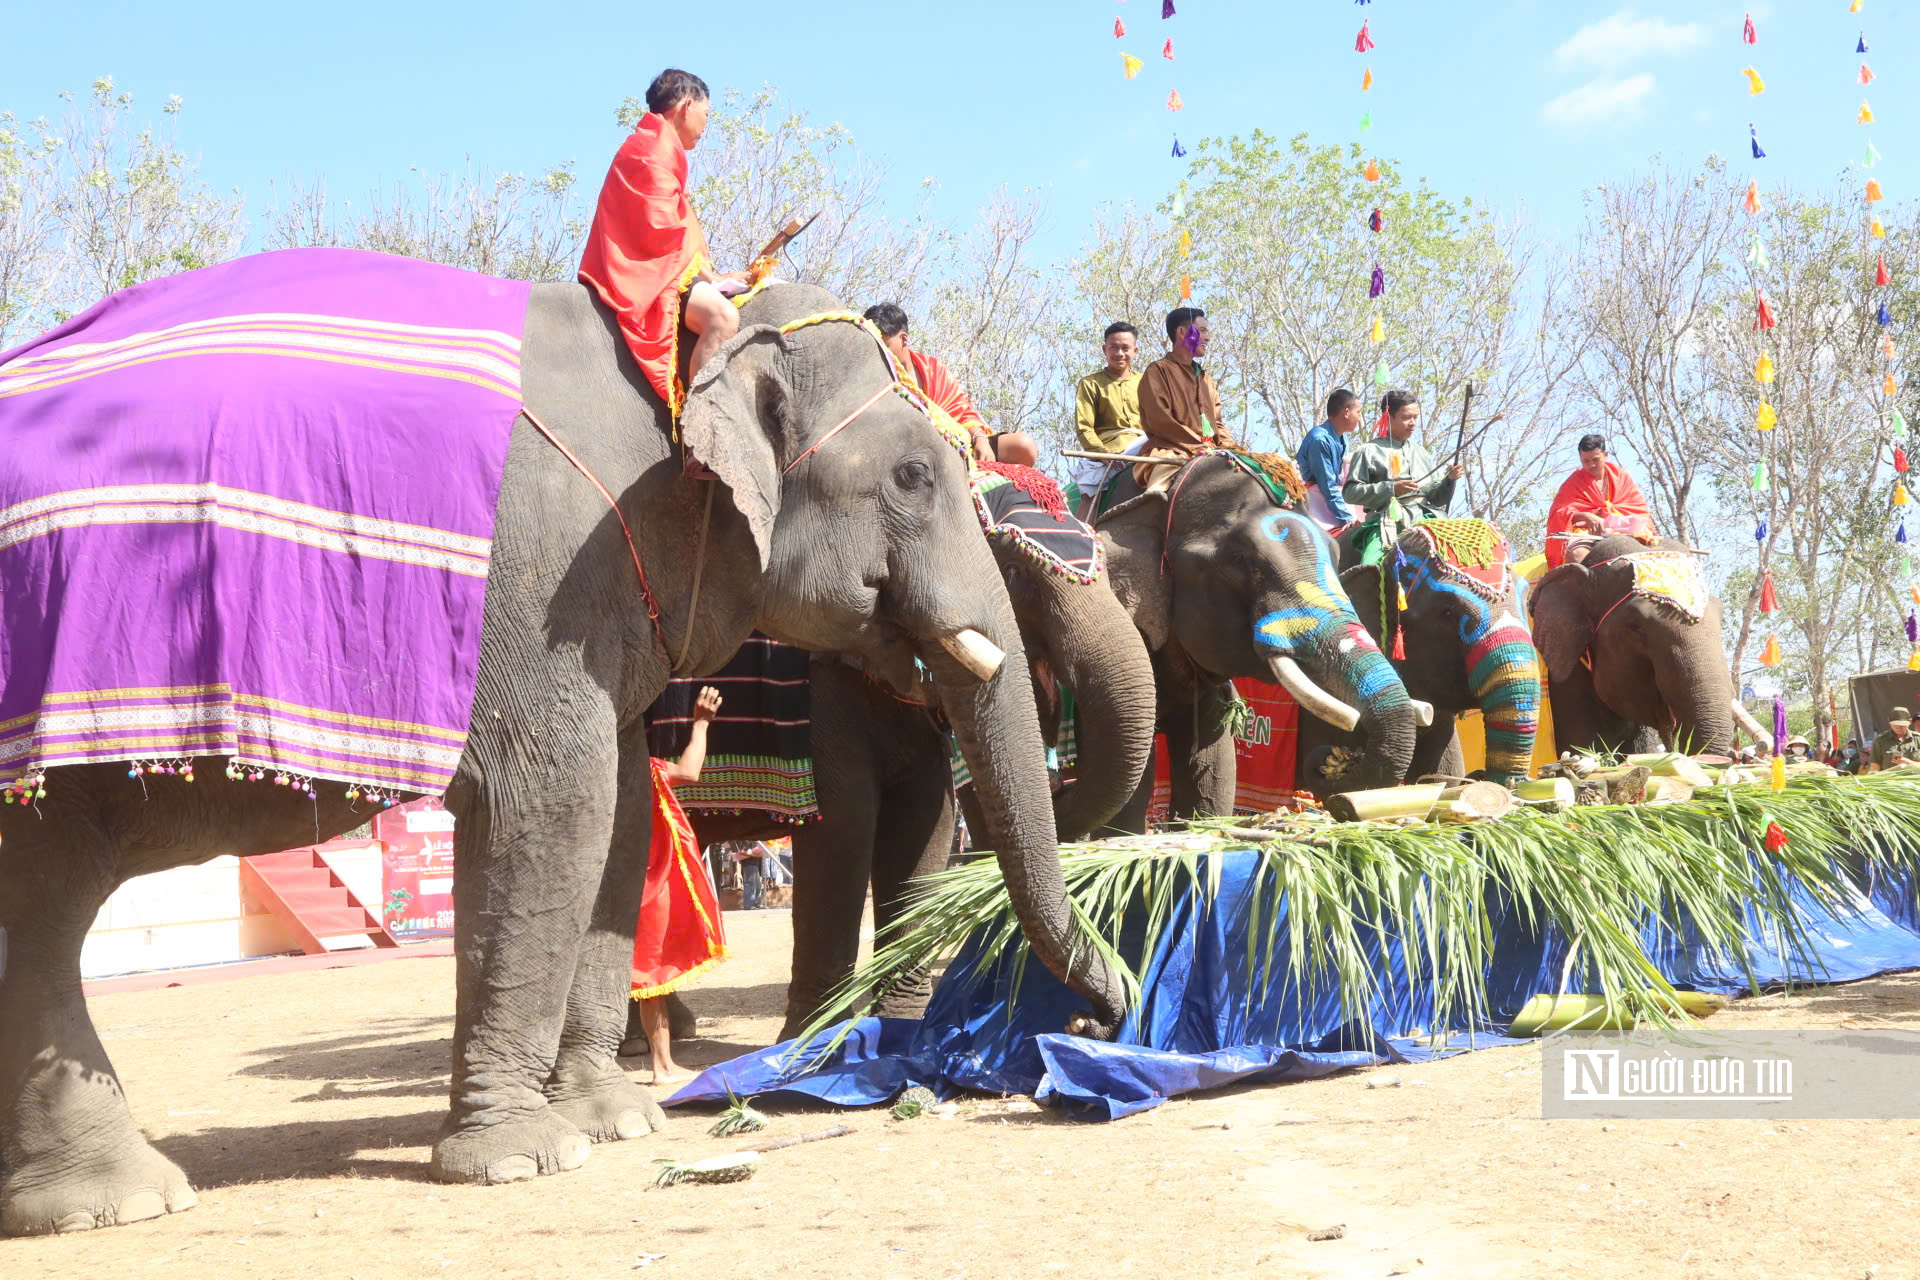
(1026, 507)
(1275, 472)
(1473, 553)
(248, 511)
(1671, 578)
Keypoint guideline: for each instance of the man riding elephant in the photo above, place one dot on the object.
(1394, 480)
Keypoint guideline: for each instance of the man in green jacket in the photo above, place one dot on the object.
(1394, 480)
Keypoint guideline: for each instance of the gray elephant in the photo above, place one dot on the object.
(1464, 643)
(841, 522)
(884, 781)
(1632, 645)
(1223, 581)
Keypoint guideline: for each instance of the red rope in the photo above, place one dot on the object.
(842, 425)
(1042, 488)
(653, 608)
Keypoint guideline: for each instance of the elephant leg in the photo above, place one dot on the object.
(914, 837)
(587, 1086)
(833, 857)
(1204, 771)
(70, 1155)
(528, 874)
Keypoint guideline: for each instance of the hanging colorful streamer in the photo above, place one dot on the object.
(1132, 67)
(1376, 273)
(1887, 405)
(1765, 419)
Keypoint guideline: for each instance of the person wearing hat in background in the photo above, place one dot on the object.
(1798, 748)
(1899, 745)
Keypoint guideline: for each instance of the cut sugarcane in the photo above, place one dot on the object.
(1593, 1013)
(1671, 764)
(1472, 802)
(1545, 793)
(1387, 802)
(1667, 789)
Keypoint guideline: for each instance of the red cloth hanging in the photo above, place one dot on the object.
(1765, 320)
(1881, 276)
(679, 931)
(1363, 41)
(1768, 604)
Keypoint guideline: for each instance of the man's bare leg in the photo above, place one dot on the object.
(713, 319)
(1018, 448)
(653, 1016)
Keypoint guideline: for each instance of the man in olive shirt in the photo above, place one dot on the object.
(1393, 479)
(1106, 408)
(1898, 745)
(1179, 405)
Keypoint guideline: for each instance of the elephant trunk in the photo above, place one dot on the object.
(1352, 671)
(1103, 660)
(1698, 690)
(999, 734)
(1503, 671)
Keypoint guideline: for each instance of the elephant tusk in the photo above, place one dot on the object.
(1422, 711)
(1751, 725)
(975, 652)
(1310, 695)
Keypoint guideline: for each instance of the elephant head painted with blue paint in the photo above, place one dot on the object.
(1224, 583)
(1464, 636)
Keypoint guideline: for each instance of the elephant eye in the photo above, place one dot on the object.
(913, 473)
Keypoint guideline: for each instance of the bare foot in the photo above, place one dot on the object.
(671, 1075)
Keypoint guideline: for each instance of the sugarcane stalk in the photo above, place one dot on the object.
(1667, 790)
(1472, 802)
(1671, 764)
(1546, 1013)
(818, 1135)
(1545, 793)
(1385, 802)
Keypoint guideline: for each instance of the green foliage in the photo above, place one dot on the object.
(1595, 874)
(739, 1117)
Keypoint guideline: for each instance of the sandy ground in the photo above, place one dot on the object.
(303, 1105)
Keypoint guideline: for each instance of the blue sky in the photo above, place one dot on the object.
(1517, 102)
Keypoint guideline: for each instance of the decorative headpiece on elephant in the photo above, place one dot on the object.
(1224, 580)
(839, 520)
(1443, 605)
(1633, 650)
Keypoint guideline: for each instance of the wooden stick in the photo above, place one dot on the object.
(1127, 458)
(818, 1135)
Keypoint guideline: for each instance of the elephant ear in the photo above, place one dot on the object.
(733, 419)
(1135, 539)
(1362, 585)
(1562, 627)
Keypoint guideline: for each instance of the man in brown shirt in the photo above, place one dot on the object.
(1179, 405)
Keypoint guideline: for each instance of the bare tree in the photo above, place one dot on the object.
(91, 203)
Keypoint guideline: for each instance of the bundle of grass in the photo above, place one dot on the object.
(739, 1117)
(1724, 864)
(713, 1170)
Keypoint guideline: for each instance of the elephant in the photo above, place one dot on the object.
(834, 518)
(1465, 647)
(1631, 639)
(884, 782)
(1222, 582)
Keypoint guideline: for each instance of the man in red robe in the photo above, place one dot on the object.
(646, 256)
(933, 381)
(1598, 499)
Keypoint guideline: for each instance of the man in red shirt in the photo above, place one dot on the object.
(932, 380)
(1598, 499)
(646, 256)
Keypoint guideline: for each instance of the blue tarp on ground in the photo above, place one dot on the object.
(1206, 1020)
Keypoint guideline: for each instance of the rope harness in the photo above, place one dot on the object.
(910, 394)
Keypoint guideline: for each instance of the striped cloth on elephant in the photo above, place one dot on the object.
(759, 748)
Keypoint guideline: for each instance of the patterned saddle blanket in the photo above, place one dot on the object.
(760, 746)
(247, 512)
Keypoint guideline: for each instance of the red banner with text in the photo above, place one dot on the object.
(1264, 753)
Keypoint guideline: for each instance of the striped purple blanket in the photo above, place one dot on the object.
(246, 512)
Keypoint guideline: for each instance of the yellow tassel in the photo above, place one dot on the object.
(1765, 419)
(1393, 465)
(1763, 368)
(1866, 113)
(1754, 83)
(1877, 229)
(1888, 387)
(1913, 663)
(1366, 81)
(1401, 593)
(1899, 493)
(1779, 773)
(1916, 596)
(1379, 330)
(1770, 656)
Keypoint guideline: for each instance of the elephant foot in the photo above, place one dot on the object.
(510, 1151)
(130, 1183)
(601, 1102)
